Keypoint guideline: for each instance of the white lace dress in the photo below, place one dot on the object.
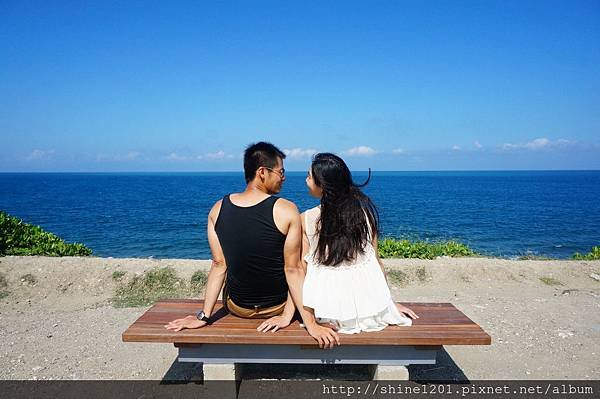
(353, 296)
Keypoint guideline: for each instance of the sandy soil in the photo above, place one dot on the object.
(64, 327)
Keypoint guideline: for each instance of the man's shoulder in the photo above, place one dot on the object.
(216, 208)
(286, 206)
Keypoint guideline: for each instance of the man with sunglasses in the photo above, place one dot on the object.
(256, 239)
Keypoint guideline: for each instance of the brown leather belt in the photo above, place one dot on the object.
(256, 313)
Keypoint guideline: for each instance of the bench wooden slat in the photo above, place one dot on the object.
(439, 324)
(428, 315)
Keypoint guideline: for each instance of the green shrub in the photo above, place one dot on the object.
(19, 238)
(593, 255)
(392, 248)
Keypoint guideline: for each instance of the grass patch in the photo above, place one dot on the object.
(397, 277)
(550, 281)
(594, 254)
(20, 238)
(401, 278)
(154, 285)
(421, 274)
(28, 279)
(144, 290)
(118, 274)
(198, 281)
(3, 286)
(392, 248)
(533, 257)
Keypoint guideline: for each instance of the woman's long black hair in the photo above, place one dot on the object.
(348, 216)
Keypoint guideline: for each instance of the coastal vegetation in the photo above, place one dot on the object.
(20, 238)
(154, 285)
(393, 248)
(593, 255)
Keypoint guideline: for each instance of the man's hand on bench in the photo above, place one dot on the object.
(190, 321)
(275, 323)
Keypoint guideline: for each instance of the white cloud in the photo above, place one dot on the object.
(216, 155)
(362, 150)
(299, 153)
(477, 145)
(38, 155)
(176, 157)
(132, 155)
(455, 148)
(398, 151)
(541, 143)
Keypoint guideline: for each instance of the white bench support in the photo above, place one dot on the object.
(390, 361)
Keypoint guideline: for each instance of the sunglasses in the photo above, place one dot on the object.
(280, 172)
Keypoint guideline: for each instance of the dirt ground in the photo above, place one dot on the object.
(543, 316)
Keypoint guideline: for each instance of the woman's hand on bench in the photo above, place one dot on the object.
(190, 321)
(407, 311)
(325, 336)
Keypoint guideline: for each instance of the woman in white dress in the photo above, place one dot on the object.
(345, 284)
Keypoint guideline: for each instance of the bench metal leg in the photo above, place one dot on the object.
(395, 373)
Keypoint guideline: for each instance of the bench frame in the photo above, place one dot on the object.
(388, 362)
(230, 342)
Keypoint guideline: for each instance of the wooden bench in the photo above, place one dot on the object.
(231, 340)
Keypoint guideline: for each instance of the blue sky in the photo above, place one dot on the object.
(391, 85)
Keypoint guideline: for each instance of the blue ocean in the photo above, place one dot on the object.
(163, 215)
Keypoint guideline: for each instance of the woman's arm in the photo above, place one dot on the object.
(374, 242)
(294, 273)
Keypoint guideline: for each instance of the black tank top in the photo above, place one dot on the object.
(253, 249)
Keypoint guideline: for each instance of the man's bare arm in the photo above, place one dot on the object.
(216, 277)
(218, 268)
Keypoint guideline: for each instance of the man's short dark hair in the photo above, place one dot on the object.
(260, 154)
